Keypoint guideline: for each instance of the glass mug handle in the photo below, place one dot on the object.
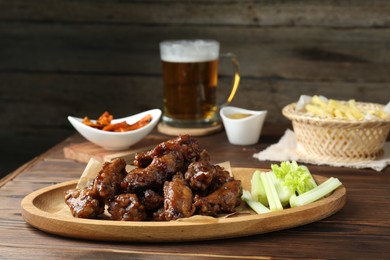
(236, 77)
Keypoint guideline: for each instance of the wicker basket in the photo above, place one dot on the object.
(338, 140)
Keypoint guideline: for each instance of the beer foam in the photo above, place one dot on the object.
(189, 50)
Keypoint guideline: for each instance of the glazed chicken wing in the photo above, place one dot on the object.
(153, 176)
(177, 200)
(184, 144)
(84, 203)
(223, 200)
(89, 202)
(152, 200)
(126, 207)
(200, 174)
(108, 181)
(221, 177)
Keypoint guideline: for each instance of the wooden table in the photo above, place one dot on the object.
(361, 230)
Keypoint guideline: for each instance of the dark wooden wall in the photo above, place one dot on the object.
(73, 57)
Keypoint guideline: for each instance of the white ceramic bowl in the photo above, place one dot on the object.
(243, 131)
(117, 140)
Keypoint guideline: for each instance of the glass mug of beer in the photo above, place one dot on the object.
(190, 77)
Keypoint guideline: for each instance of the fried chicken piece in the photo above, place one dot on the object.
(159, 215)
(204, 156)
(221, 177)
(204, 178)
(153, 176)
(84, 203)
(184, 144)
(152, 200)
(223, 200)
(177, 200)
(127, 207)
(200, 174)
(107, 182)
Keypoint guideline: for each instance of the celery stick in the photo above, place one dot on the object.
(283, 191)
(311, 176)
(258, 207)
(316, 193)
(272, 195)
(257, 189)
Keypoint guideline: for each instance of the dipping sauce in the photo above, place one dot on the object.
(238, 115)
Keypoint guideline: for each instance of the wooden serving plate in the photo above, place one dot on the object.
(46, 210)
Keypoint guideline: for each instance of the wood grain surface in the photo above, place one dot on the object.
(358, 231)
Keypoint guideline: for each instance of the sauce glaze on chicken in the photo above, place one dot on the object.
(174, 180)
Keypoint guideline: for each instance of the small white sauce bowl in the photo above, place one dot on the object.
(243, 131)
(117, 140)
